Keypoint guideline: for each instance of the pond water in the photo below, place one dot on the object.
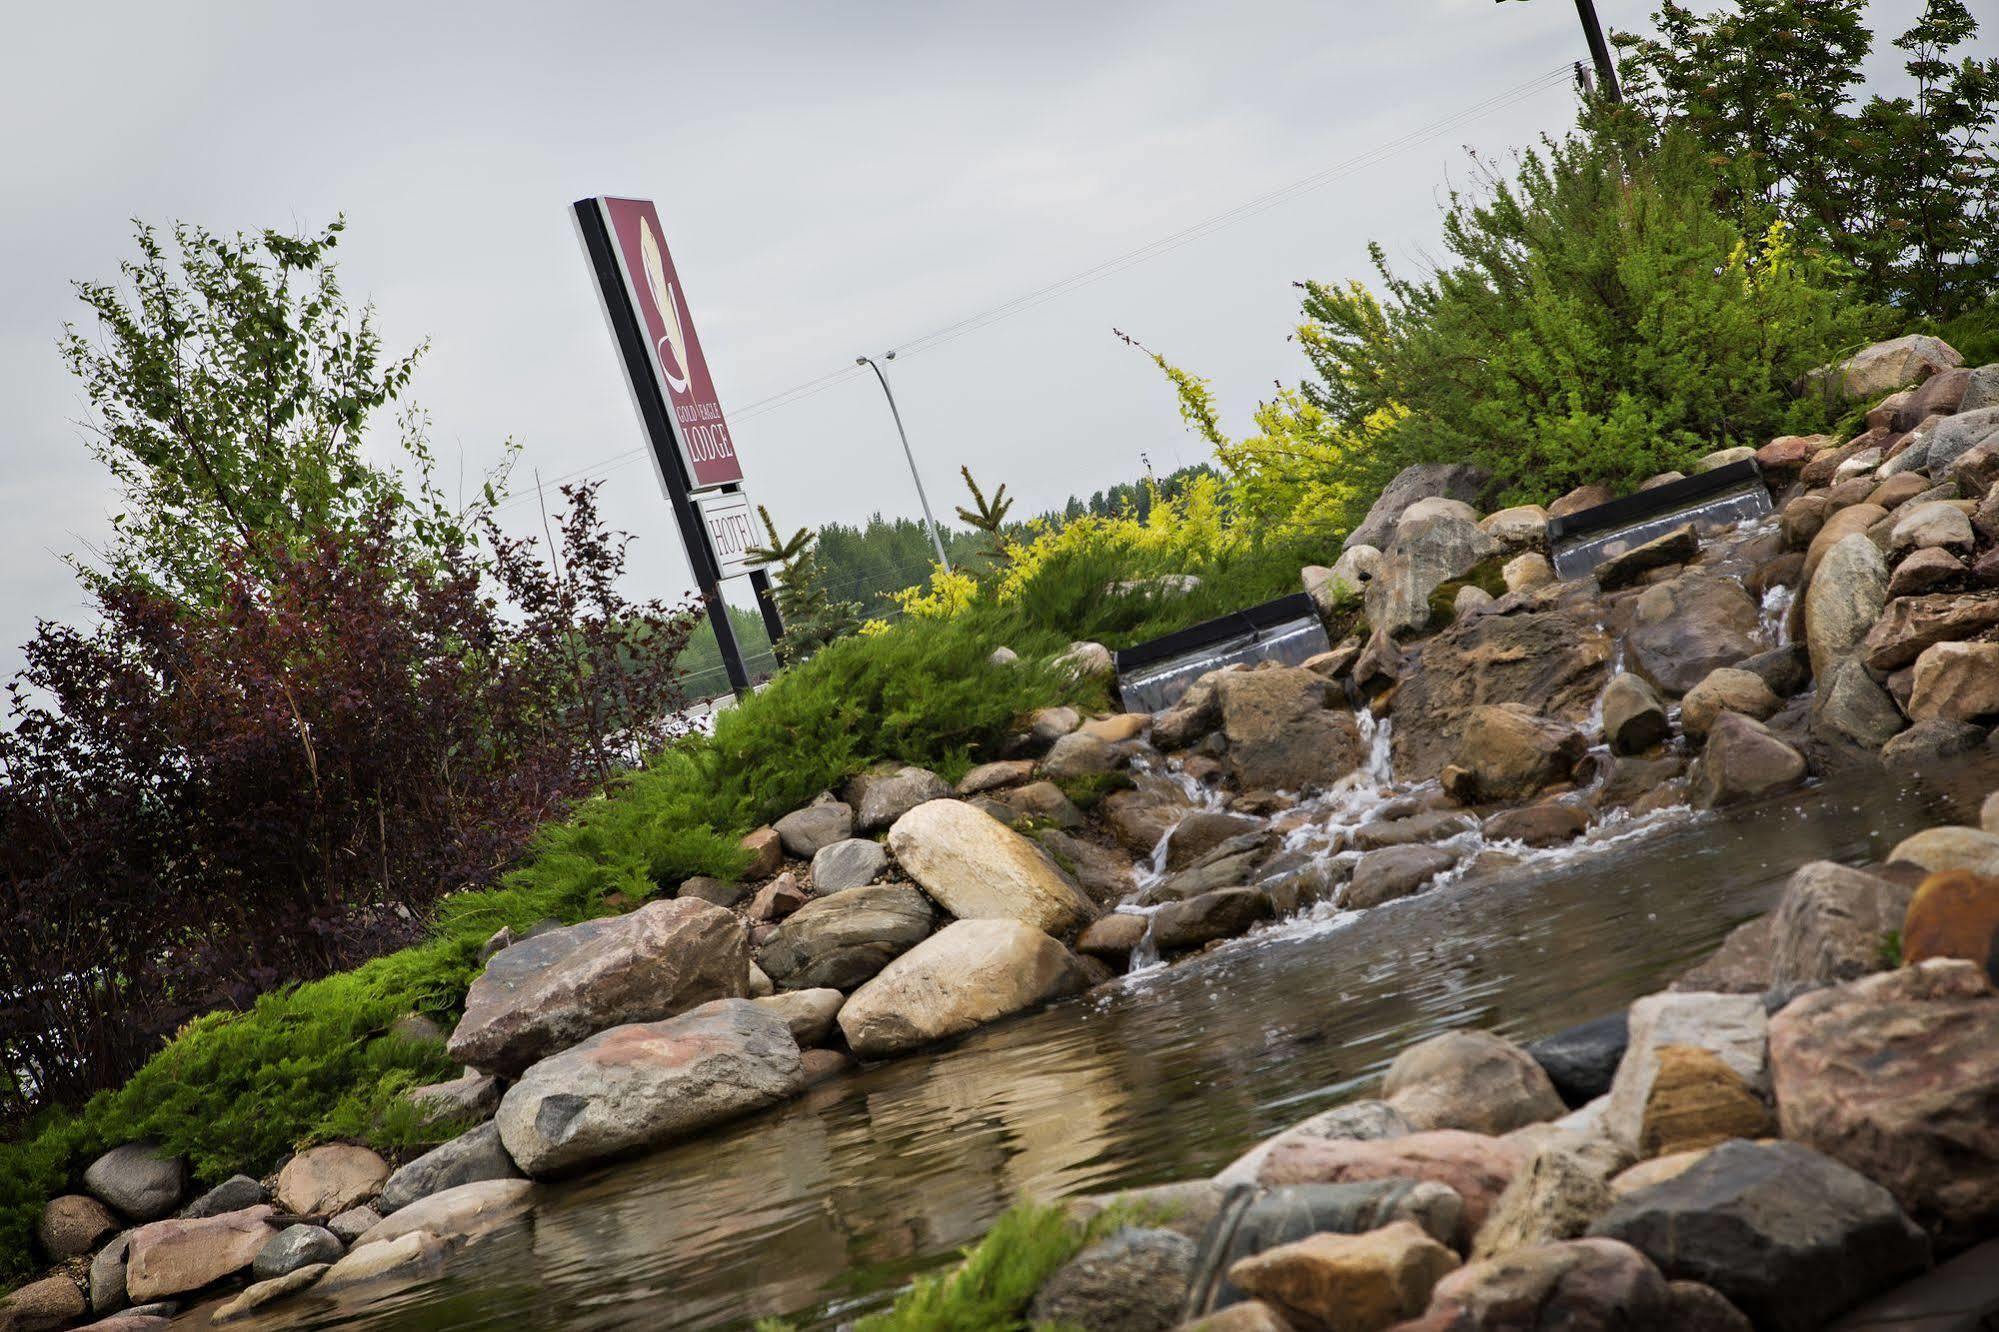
(822, 1209)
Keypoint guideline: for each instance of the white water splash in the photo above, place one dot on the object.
(1773, 619)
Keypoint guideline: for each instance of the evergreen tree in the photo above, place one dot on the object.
(811, 617)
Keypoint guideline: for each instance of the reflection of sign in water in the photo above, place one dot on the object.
(730, 525)
(674, 348)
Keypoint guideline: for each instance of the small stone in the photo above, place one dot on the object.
(1477, 1167)
(295, 1247)
(1733, 1026)
(967, 974)
(1634, 718)
(467, 1098)
(1832, 922)
(1959, 681)
(778, 899)
(716, 892)
(852, 863)
(1205, 917)
(1112, 937)
(270, 1291)
(804, 831)
(809, 1014)
(353, 1223)
(766, 850)
(1349, 1283)
(1742, 760)
(1726, 690)
(994, 776)
(1674, 547)
(231, 1195)
(1556, 1196)
(1924, 570)
(107, 1276)
(881, 796)
(1585, 1283)
(1549, 823)
(1581, 1060)
(1950, 847)
(466, 1159)
(1527, 572)
(1394, 872)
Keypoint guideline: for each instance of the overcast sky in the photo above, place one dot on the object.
(833, 179)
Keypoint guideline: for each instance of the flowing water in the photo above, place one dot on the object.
(821, 1209)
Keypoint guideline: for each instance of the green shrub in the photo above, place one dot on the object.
(239, 1091)
(1598, 321)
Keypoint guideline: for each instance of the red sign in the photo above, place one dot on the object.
(661, 303)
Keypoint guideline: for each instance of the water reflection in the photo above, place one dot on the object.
(824, 1207)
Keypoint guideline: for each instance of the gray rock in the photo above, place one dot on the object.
(1581, 1060)
(1229, 864)
(470, 1096)
(1221, 914)
(1957, 435)
(353, 1223)
(550, 991)
(1281, 733)
(1423, 557)
(1685, 628)
(140, 1182)
(231, 1195)
(1080, 754)
(1457, 481)
(1394, 871)
(1741, 761)
(1430, 826)
(1851, 709)
(1134, 1281)
(107, 1276)
(804, 831)
(715, 892)
(1787, 670)
(1788, 1236)
(842, 940)
(808, 1014)
(879, 798)
(466, 1159)
(1928, 743)
(852, 863)
(646, 1083)
(295, 1247)
(1843, 601)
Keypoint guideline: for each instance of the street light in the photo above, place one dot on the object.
(922, 498)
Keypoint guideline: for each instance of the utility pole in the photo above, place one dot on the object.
(1599, 51)
(922, 498)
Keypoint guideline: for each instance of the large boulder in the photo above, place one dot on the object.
(1896, 1076)
(466, 1159)
(1955, 436)
(645, 1083)
(1469, 1080)
(44, 1305)
(324, 1180)
(969, 973)
(1585, 1283)
(1458, 481)
(1839, 525)
(1729, 689)
(1950, 847)
(1851, 709)
(1741, 761)
(294, 1247)
(1510, 753)
(1354, 1283)
(1337, 590)
(1913, 624)
(1280, 733)
(458, 1212)
(139, 1180)
(977, 868)
(552, 990)
(1553, 662)
(1135, 1280)
(1879, 369)
(168, 1258)
(1789, 1236)
(1732, 1026)
(1956, 681)
(1424, 556)
(1205, 917)
(880, 796)
(1681, 630)
(1478, 1167)
(1843, 601)
(1931, 525)
(1833, 923)
(414, 1256)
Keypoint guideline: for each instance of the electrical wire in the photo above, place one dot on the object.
(1207, 226)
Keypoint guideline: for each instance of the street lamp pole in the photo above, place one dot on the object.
(922, 498)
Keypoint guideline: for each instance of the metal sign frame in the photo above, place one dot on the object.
(668, 455)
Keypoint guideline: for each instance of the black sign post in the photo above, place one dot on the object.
(667, 452)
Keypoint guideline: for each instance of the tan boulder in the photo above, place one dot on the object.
(967, 974)
(1956, 681)
(1555, 1196)
(1726, 689)
(324, 1181)
(1471, 1080)
(1852, 520)
(766, 850)
(1348, 1283)
(414, 1255)
(1281, 733)
(977, 868)
(173, 1257)
(73, 1224)
(1527, 571)
(1954, 914)
(42, 1306)
(466, 1209)
(1511, 753)
(1697, 1101)
(1950, 847)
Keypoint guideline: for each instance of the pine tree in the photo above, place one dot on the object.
(812, 618)
(988, 516)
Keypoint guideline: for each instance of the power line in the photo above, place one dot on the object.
(1207, 226)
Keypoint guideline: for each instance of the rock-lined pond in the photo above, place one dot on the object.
(823, 1208)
